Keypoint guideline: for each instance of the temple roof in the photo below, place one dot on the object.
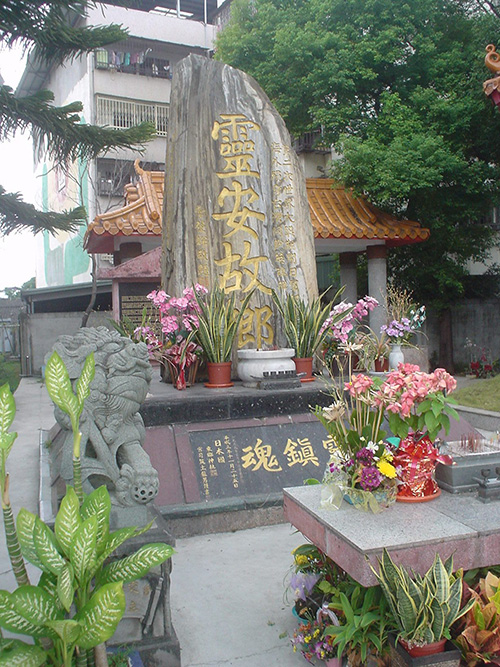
(141, 215)
(335, 214)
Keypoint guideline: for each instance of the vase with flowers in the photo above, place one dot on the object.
(177, 351)
(418, 407)
(361, 467)
(405, 318)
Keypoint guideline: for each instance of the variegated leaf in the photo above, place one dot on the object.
(68, 520)
(84, 381)
(6, 442)
(15, 653)
(138, 564)
(48, 582)
(83, 551)
(117, 538)
(12, 620)
(59, 386)
(45, 546)
(67, 629)
(25, 524)
(98, 504)
(35, 604)
(101, 615)
(7, 408)
(65, 586)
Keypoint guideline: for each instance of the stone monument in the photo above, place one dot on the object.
(112, 428)
(236, 208)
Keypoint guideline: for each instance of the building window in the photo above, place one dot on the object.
(121, 114)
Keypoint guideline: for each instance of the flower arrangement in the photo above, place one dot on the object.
(310, 639)
(361, 463)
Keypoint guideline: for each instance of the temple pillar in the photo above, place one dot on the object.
(349, 276)
(377, 283)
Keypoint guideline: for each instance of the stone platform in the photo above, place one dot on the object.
(458, 525)
(225, 455)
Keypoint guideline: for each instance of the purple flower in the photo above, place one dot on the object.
(365, 456)
(370, 478)
(302, 584)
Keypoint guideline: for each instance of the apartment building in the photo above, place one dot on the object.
(119, 86)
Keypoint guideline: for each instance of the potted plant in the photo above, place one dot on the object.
(177, 352)
(306, 326)
(341, 343)
(373, 350)
(79, 599)
(479, 629)
(418, 407)
(218, 323)
(423, 609)
(362, 631)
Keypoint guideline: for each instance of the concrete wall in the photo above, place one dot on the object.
(475, 319)
(39, 333)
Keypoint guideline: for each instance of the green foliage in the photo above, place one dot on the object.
(79, 599)
(218, 322)
(305, 323)
(363, 631)
(423, 607)
(10, 372)
(43, 28)
(396, 88)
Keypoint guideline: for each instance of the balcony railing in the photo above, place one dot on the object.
(121, 114)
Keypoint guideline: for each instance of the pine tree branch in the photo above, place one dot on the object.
(46, 27)
(16, 214)
(57, 131)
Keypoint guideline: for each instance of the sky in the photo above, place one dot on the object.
(17, 251)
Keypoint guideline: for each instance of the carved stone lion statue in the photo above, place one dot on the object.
(112, 428)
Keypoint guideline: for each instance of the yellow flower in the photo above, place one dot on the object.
(316, 633)
(307, 639)
(301, 560)
(386, 468)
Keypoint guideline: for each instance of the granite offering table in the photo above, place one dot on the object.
(412, 532)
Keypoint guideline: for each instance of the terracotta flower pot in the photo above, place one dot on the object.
(448, 656)
(219, 375)
(304, 365)
(381, 365)
(426, 649)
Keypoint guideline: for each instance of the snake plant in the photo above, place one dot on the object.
(79, 600)
(423, 607)
(306, 324)
(218, 322)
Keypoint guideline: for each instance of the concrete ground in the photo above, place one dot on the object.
(228, 589)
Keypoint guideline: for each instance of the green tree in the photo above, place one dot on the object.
(48, 30)
(396, 88)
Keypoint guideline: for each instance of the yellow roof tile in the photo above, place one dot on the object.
(335, 213)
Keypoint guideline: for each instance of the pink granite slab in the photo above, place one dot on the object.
(413, 533)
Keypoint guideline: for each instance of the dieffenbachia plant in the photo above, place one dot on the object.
(60, 391)
(79, 599)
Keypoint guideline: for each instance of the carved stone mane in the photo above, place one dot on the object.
(112, 428)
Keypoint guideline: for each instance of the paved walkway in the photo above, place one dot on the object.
(227, 598)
